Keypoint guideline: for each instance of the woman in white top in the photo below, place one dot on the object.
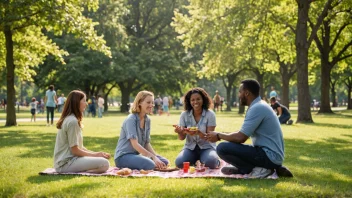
(70, 155)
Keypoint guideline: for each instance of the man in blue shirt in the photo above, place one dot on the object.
(266, 153)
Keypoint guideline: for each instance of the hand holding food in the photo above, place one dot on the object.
(158, 163)
(192, 130)
(178, 129)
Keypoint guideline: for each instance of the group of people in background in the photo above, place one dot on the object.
(134, 149)
(51, 102)
(162, 105)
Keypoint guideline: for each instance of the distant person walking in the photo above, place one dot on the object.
(273, 93)
(101, 102)
(33, 106)
(50, 101)
(166, 105)
(217, 101)
(60, 103)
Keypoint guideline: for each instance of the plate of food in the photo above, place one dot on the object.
(168, 169)
(192, 128)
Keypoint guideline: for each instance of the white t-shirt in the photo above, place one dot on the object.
(101, 102)
(68, 136)
(165, 101)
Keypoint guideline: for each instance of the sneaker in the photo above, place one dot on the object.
(229, 170)
(259, 172)
(290, 122)
(283, 171)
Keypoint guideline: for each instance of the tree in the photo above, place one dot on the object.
(303, 43)
(333, 41)
(23, 21)
(152, 54)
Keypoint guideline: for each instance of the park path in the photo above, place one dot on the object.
(27, 120)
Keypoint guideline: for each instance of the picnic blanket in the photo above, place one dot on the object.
(208, 173)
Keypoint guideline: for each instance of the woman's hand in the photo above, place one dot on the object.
(201, 135)
(158, 163)
(179, 129)
(104, 155)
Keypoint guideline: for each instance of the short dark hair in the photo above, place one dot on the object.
(252, 86)
(207, 101)
(51, 87)
(273, 99)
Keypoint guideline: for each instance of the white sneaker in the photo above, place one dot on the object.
(259, 172)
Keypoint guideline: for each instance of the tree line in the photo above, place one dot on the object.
(168, 46)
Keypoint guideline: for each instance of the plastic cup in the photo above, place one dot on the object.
(185, 167)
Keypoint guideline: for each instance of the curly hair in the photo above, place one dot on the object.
(207, 101)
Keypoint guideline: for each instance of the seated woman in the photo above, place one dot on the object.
(69, 154)
(197, 114)
(133, 149)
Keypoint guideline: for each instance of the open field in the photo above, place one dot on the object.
(319, 155)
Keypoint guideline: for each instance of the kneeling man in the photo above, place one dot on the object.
(266, 153)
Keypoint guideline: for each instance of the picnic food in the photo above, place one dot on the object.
(145, 171)
(124, 171)
(192, 169)
(168, 169)
(193, 128)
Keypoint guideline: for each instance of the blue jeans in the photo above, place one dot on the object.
(100, 112)
(138, 162)
(244, 157)
(284, 118)
(206, 156)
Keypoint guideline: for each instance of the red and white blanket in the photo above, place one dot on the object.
(208, 173)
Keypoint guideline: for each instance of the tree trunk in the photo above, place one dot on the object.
(304, 112)
(325, 87)
(228, 97)
(349, 103)
(10, 78)
(349, 98)
(234, 95)
(333, 94)
(260, 78)
(126, 89)
(285, 88)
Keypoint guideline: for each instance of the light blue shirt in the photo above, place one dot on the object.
(262, 125)
(50, 98)
(273, 94)
(132, 130)
(207, 119)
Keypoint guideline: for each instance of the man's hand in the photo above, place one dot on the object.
(211, 136)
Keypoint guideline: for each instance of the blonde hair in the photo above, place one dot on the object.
(141, 96)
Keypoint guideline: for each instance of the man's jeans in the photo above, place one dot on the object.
(244, 157)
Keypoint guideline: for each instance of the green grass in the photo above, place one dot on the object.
(319, 155)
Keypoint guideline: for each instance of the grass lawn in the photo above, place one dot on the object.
(319, 155)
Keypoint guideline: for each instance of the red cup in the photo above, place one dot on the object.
(185, 167)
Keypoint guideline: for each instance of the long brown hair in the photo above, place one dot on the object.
(72, 106)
